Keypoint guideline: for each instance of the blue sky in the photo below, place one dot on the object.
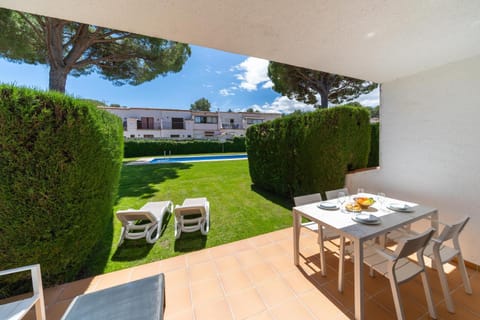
(227, 80)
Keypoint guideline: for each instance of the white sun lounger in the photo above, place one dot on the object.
(144, 223)
(192, 215)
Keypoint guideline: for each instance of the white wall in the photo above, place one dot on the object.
(430, 145)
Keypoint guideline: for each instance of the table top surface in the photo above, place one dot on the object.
(341, 220)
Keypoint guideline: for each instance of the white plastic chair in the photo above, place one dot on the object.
(18, 309)
(398, 268)
(192, 215)
(440, 253)
(332, 194)
(324, 234)
(144, 223)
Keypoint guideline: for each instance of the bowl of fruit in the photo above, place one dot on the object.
(364, 202)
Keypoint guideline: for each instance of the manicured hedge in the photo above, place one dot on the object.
(60, 161)
(310, 152)
(142, 148)
(373, 157)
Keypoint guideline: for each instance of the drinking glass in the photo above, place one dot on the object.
(341, 198)
(381, 199)
(360, 190)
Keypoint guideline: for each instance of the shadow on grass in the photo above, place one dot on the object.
(191, 241)
(275, 198)
(137, 249)
(132, 250)
(138, 181)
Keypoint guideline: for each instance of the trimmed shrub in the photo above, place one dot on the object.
(311, 152)
(142, 148)
(373, 157)
(60, 161)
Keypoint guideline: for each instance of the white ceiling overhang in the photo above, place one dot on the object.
(377, 40)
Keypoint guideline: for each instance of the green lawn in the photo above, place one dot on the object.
(237, 210)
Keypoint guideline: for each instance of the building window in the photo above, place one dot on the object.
(148, 135)
(209, 133)
(174, 136)
(132, 136)
(177, 123)
(206, 119)
(145, 123)
(254, 121)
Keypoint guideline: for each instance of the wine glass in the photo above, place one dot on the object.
(360, 190)
(381, 199)
(341, 197)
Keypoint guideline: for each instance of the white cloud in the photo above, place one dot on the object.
(254, 73)
(286, 105)
(282, 105)
(226, 92)
(267, 85)
(371, 99)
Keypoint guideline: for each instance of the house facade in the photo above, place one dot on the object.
(185, 124)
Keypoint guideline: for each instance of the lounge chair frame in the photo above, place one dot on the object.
(144, 223)
(191, 216)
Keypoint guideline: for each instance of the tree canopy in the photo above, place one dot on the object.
(304, 85)
(201, 104)
(79, 49)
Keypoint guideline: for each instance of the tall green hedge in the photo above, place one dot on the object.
(60, 161)
(142, 148)
(373, 157)
(306, 153)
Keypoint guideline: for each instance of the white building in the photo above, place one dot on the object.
(172, 123)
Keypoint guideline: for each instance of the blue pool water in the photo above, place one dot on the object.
(199, 158)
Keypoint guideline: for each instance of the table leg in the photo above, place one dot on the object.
(434, 224)
(358, 274)
(341, 264)
(296, 235)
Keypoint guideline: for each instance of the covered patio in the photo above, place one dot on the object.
(425, 55)
(255, 278)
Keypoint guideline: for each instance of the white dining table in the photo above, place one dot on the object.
(359, 233)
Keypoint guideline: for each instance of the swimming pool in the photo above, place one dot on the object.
(199, 158)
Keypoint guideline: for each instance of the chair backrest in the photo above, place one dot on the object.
(133, 215)
(332, 194)
(453, 230)
(189, 210)
(306, 199)
(413, 244)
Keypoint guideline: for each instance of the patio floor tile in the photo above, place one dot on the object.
(235, 281)
(291, 309)
(214, 310)
(206, 291)
(255, 279)
(275, 291)
(246, 303)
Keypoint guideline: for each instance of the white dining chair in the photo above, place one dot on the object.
(332, 194)
(441, 253)
(398, 268)
(324, 234)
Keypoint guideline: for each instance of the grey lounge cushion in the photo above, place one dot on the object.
(142, 299)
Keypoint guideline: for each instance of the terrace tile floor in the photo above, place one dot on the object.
(256, 279)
